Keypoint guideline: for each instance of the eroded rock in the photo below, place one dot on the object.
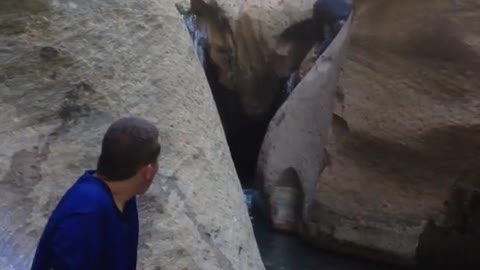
(292, 154)
(69, 68)
(258, 52)
(256, 45)
(406, 128)
(245, 44)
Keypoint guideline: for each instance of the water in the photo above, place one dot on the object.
(291, 83)
(198, 33)
(287, 252)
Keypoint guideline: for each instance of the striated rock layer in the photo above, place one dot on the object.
(69, 68)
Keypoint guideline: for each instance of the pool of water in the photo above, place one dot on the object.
(281, 251)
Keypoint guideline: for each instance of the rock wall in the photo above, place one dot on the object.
(405, 132)
(249, 46)
(254, 48)
(292, 153)
(250, 49)
(69, 68)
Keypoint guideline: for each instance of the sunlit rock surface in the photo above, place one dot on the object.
(67, 70)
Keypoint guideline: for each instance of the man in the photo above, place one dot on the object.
(328, 18)
(95, 224)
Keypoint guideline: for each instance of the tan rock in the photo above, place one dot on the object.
(69, 68)
(249, 46)
(292, 152)
(404, 131)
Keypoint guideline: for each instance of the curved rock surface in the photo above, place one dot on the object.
(249, 46)
(270, 40)
(69, 68)
(256, 51)
(401, 179)
(292, 153)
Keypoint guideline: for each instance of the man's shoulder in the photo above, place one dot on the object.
(86, 196)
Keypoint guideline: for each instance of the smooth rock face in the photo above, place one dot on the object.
(292, 153)
(67, 70)
(405, 131)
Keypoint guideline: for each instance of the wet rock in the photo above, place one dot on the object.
(66, 73)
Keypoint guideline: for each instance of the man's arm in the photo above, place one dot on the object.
(78, 243)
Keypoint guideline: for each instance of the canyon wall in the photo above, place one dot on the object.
(407, 127)
(399, 179)
(251, 49)
(292, 153)
(67, 70)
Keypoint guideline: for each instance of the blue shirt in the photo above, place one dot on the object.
(88, 232)
(331, 11)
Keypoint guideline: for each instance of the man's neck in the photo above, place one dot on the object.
(119, 192)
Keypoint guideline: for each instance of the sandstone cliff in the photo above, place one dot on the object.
(69, 68)
(400, 179)
(253, 48)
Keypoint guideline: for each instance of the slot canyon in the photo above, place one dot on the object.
(296, 135)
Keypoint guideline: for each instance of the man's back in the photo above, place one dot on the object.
(87, 231)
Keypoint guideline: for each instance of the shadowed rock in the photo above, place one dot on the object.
(257, 51)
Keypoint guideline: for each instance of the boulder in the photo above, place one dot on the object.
(400, 181)
(67, 70)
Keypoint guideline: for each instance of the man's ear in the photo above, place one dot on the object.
(149, 171)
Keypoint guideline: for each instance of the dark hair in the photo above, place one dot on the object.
(128, 144)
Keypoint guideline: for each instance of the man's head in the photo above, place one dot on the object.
(130, 151)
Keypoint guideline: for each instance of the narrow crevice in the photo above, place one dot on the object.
(245, 132)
